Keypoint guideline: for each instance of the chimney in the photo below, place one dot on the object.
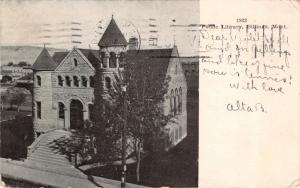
(133, 43)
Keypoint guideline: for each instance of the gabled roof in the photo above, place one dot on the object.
(112, 36)
(59, 56)
(44, 61)
(92, 56)
(151, 65)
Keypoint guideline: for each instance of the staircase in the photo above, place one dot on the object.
(48, 153)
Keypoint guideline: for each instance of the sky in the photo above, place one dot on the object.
(50, 21)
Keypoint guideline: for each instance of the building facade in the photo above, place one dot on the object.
(63, 93)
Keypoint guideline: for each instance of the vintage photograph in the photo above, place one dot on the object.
(99, 93)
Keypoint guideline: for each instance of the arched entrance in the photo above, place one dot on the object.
(76, 114)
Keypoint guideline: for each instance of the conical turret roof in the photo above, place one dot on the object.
(112, 36)
(44, 61)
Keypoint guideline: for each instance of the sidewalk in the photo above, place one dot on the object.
(20, 171)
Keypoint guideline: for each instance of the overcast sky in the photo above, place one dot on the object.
(34, 22)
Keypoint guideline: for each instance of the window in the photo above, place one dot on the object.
(60, 81)
(68, 81)
(107, 82)
(61, 110)
(171, 102)
(83, 81)
(172, 137)
(176, 135)
(180, 131)
(75, 62)
(176, 69)
(180, 100)
(38, 80)
(91, 81)
(91, 108)
(76, 81)
(175, 102)
(103, 59)
(112, 60)
(122, 59)
(38, 109)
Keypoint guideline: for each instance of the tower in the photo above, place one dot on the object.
(112, 49)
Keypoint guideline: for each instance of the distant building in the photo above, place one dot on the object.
(63, 93)
(15, 72)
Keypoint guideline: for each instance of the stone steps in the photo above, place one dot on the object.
(49, 162)
(47, 155)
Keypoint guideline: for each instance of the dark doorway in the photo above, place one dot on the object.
(76, 114)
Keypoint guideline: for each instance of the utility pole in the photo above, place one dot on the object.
(123, 178)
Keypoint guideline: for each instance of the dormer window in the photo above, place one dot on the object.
(75, 62)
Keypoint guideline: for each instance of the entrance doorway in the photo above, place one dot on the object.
(76, 114)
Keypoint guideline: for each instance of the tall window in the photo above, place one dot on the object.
(38, 109)
(75, 62)
(91, 81)
(180, 100)
(76, 81)
(107, 82)
(38, 80)
(102, 54)
(60, 81)
(68, 81)
(171, 102)
(83, 81)
(91, 108)
(176, 135)
(172, 137)
(175, 102)
(112, 60)
(61, 110)
(180, 131)
(122, 59)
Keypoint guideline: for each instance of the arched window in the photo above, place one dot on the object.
(76, 81)
(60, 80)
(83, 81)
(122, 59)
(171, 103)
(112, 60)
(180, 132)
(91, 81)
(61, 110)
(102, 54)
(68, 81)
(107, 82)
(38, 80)
(75, 62)
(175, 102)
(180, 99)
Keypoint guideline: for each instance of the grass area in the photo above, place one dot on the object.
(16, 135)
(176, 168)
